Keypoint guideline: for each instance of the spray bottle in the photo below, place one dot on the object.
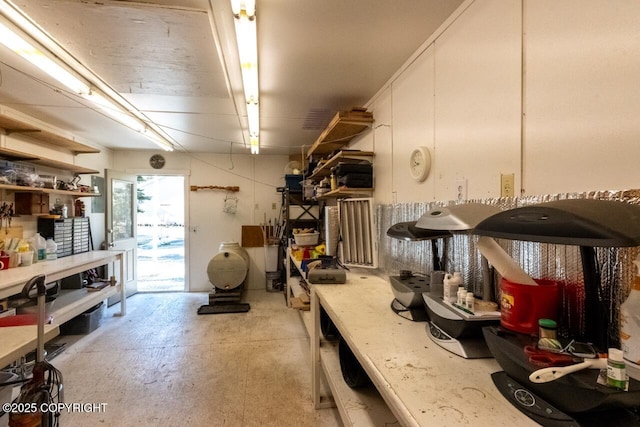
(630, 320)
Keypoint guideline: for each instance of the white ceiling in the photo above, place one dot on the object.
(176, 61)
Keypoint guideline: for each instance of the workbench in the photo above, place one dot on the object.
(417, 383)
(19, 340)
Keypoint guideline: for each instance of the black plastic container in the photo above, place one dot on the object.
(84, 323)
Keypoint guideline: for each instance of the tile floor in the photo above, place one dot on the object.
(162, 364)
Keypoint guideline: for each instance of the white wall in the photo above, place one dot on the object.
(257, 177)
(549, 89)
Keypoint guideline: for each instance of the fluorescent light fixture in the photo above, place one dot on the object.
(255, 145)
(115, 112)
(244, 12)
(14, 42)
(44, 52)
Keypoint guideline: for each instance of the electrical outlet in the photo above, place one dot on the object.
(461, 189)
(507, 184)
(273, 206)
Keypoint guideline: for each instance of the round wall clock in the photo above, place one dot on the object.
(157, 161)
(420, 163)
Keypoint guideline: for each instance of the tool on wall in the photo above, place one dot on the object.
(214, 187)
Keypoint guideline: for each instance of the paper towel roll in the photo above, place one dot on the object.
(502, 262)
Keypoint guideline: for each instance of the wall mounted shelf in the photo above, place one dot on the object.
(344, 156)
(12, 121)
(347, 192)
(25, 189)
(344, 126)
(14, 155)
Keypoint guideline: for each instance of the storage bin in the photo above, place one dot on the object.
(293, 182)
(271, 258)
(306, 239)
(85, 322)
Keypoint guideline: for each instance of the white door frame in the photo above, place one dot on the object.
(186, 174)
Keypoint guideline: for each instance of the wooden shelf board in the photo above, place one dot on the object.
(64, 142)
(12, 122)
(363, 406)
(72, 302)
(345, 156)
(345, 126)
(347, 192)
(26, 189)
(14, 155)
(64, 166)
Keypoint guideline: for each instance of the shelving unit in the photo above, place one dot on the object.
(344, 156)
(299, 212)
(344, 126)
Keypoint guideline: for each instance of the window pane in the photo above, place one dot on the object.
(122, 218)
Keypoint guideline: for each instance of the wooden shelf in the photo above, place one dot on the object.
(344, 156)
(26, 189)
(357, 407)
(72, 302)
(344, 126)
(15, 122)
(14, 155)
(346, 192)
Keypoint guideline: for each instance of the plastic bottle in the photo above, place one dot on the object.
(51, 250)
(470, 302)
(630, 320)
(462, 293)
(451, 284)
(616, 372)
(41, 247)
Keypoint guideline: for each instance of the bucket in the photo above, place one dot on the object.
(271, 257)
(274, 282)
(521, 306)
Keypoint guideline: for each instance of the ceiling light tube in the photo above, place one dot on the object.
(45, 53)
(17, 44)
(248, 6)
(115, 111)
(246, 35)
(253, 117)
(255, 145)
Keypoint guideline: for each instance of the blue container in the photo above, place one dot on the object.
(293, 182)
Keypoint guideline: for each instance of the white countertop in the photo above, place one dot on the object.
(422, 383)
(13, 279)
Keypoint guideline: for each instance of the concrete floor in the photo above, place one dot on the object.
(162, 364)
